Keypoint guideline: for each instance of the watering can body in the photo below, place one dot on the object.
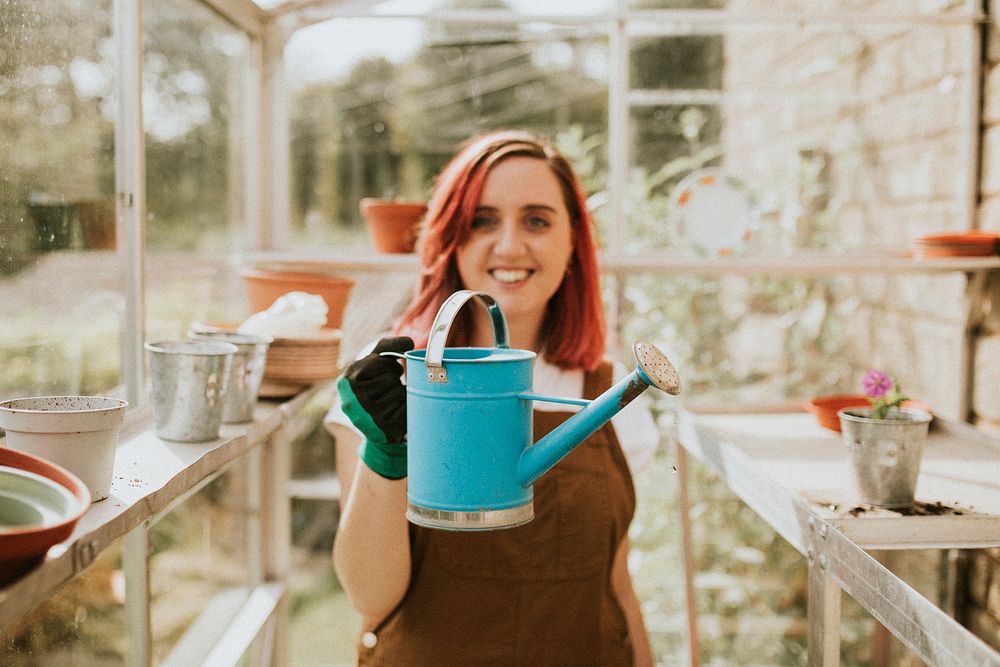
(470, 460)
(467, 435)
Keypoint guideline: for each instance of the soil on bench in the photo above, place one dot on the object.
(916, 509)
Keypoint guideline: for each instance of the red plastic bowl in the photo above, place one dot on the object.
(24, 547)
(825, 408)
(975, 243)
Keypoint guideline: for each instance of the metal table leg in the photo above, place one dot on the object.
(824, 618)
(691, 602)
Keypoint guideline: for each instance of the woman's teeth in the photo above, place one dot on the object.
(510, 275)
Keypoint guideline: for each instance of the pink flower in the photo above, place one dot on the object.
(876, 384)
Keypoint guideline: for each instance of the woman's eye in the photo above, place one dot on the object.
(537, 221)
(482, 221)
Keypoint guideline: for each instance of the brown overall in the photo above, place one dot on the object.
(539, 594)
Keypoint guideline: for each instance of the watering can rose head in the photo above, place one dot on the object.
(883, 393)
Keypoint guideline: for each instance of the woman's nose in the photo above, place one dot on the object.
(510, 239)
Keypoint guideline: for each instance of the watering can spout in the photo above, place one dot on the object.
(653, 370)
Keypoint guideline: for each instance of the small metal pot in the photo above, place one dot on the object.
(245, 372)
(188, 387)
(885, 453)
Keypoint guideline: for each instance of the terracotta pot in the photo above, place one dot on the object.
(22, 547)
(393, 224)
(97, 223)
(264, 286)
(826, 407)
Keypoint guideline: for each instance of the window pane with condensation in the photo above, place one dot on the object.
(379, 115)
(82, 623)
(195, 78)
(60, 289)
(204, 559)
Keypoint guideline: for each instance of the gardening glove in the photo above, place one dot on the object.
(374, 399)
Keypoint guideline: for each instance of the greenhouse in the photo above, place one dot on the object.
(723, 385)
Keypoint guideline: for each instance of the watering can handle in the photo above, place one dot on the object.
(446, 315)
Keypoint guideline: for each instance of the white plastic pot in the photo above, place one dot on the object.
(79, 433)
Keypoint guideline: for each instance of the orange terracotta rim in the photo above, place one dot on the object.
(974, 237)
(22, 548)
(825, 408)
(277, 275)
(373, 203)
(966, 250)
(393, 224)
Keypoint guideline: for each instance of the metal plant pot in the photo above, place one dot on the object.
(245, 373)
(188, 387)
(885, 453)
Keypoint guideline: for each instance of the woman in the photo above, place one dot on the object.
(508, 218)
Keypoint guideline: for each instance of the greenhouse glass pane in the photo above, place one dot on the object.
(201, 567)
(195, 77)
(832, 133)
(82, 623)
(379, 115)
(667, 143)
(57, 213)
(749, 339)
(685, 61)
(835, 139)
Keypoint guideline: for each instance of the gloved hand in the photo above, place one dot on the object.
(374, 399)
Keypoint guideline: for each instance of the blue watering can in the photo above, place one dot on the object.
(470, 460)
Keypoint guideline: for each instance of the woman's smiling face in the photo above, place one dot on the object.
(521, 239)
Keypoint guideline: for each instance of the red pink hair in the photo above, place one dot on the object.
(573, 329)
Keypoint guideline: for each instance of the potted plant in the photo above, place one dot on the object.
(393, 223)
(885, 441)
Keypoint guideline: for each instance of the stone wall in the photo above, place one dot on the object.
(887, 111)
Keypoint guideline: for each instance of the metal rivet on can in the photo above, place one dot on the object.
(369, 640)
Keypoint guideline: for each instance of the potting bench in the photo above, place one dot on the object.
(795, 475)
(153, 477)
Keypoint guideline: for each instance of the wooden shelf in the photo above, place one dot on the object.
(150, 476)
(805, 264)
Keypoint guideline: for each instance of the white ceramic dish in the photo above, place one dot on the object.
(31, 500)
(713, 210)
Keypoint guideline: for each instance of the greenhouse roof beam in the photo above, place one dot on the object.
(244, 14)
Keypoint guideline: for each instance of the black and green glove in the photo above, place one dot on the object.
(374, 399)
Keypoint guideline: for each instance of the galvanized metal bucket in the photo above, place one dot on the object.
(245, 372)
(188, 387)
(885, 453)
